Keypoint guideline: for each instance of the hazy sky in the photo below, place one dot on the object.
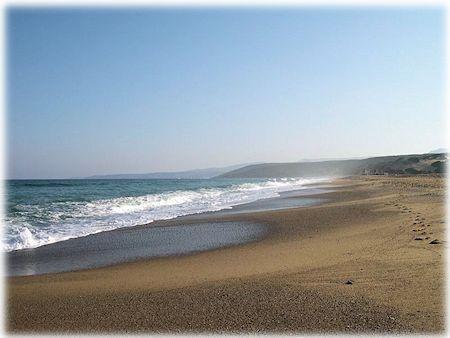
(132, 91)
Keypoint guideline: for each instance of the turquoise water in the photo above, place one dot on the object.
(41, 212)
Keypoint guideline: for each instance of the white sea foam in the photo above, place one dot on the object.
(76, 219)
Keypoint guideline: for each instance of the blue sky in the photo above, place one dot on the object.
(99, 91)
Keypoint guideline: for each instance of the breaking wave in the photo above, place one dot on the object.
(33, 225)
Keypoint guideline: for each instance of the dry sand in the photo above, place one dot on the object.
(291, 281)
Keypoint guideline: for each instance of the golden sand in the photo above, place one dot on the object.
(294, 280)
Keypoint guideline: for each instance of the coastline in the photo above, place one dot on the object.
(292, 280)
(182, 235)
(79, 208)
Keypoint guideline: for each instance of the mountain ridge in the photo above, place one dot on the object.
(396, 164)
(185, 174)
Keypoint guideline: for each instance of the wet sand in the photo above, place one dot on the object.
(374, 231)
(180, 236)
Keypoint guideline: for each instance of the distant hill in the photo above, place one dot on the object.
(188, 174)
(330, 159)
(400, 164)
(439, 151)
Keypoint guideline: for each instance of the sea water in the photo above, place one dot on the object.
(41, 212)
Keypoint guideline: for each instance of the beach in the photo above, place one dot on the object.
(363, 260)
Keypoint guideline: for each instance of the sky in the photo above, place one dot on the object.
(104, 91)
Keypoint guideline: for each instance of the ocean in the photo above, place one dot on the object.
(41, 212)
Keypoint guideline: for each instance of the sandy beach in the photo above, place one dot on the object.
(361, 261)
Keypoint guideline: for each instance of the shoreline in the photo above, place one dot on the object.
(293, 280)
(125, 205)
(80, 253)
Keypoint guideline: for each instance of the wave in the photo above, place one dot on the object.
(36, 225)
(45, 183)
